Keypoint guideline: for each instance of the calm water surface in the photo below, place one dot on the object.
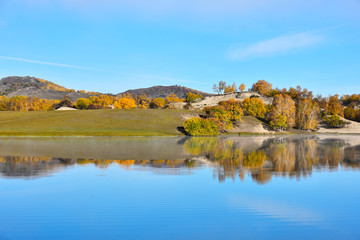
(180, 188)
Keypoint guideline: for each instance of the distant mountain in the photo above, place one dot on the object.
(31, 86)
(164, 91)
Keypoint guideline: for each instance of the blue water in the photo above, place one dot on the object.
(152, 199)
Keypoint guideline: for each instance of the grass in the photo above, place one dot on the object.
(134, 122)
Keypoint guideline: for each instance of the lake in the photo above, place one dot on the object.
(298, 187)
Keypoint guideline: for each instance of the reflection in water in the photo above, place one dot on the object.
(293, 157)
(230, 157)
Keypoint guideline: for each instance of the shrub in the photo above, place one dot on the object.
(200, 127)
(352, 114)
(334, 121)
(94, 106)
(173, 98)
(192, 97)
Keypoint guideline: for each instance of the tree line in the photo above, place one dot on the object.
(125, 101)
(290, 108)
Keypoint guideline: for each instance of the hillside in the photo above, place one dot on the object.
(123, 122)
(31, 86)
(164, 91)
(214, 100)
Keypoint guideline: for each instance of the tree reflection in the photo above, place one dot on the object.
(288, 157)
(231, 158)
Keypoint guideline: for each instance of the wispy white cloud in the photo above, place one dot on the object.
(277, 45)
(133, 75)
(278, 210)
(42, 62)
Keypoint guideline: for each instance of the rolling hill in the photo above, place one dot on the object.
(164, 91)
(31, 87)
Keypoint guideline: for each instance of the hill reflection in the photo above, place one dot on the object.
(261, 158)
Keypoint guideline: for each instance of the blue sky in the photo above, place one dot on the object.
(115, 45)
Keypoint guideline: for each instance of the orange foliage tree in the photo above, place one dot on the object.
(262, 87)
(242, 87)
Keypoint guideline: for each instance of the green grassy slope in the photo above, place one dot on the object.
(135, 122)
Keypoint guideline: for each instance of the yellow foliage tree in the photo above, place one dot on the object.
(307, 115)
(173, 98)
(157, 103)
(125, 103)
(230, 89)
(334, 106)
(284, 106)
(254, 107)
(143, 101)
(82, 103)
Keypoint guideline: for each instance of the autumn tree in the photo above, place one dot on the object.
(4, 103)
(334, 106)
(279, 122)
(192, 97)
(283, 106)
(254, 107)
(351, 113)
(307, 114)
(242, 87)
(157, 103)
(230, 88)
(103, 100)
(262, 87)
(125, 103)
(233, 107)
(200, 127)
(143, 101)
(172, 98)
(226, 114)
(82, 103)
